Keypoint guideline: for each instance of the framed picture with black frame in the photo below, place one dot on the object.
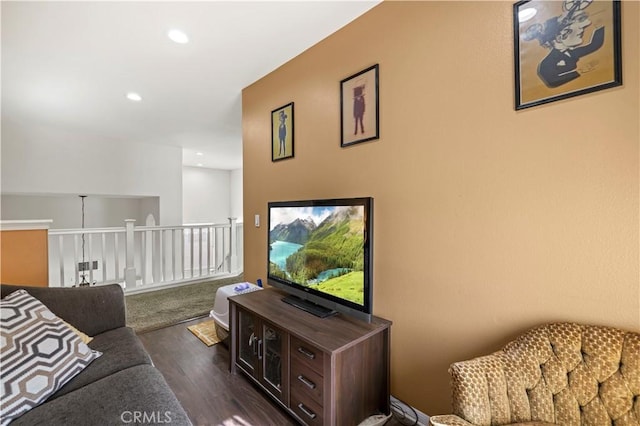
(564, 49)
(359, 107)
(282, 132)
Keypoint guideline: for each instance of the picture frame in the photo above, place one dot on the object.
(360, 107)
(282, 132)
(564, 49)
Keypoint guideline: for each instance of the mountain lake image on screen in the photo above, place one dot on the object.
(321, 248)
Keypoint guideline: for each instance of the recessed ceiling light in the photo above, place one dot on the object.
(526, 14)
(199, 154)
(133, 96)
(178, 36)
(199, 164)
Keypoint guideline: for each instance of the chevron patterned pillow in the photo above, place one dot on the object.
(38, 353)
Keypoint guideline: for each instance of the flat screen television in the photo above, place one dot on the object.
(321, 252)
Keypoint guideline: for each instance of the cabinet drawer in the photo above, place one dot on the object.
(307, 409)
(307, 354)
(306, 381)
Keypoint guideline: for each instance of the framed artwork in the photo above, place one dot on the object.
(359, 107)
(565, 48)
(282, 132)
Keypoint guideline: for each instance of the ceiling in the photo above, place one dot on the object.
(70, 65)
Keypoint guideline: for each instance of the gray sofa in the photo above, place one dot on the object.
(120, 387)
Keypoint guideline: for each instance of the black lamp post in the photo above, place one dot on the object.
(84, 281)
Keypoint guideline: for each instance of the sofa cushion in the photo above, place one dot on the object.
(92, 309)
(39, 354)
(121, 348)
(138, 392)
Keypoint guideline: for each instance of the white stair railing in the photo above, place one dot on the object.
(141, 257)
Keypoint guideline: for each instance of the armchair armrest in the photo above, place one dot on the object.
(448, 420)
(92, 310)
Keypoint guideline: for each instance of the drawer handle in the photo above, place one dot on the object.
(307, 382)
(305, 410)
(306, 352)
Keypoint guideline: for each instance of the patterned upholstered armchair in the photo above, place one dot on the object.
(561, 373)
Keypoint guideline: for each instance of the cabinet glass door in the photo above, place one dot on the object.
(272, 362)
(247, 341)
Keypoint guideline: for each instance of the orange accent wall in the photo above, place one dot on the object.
(487, 221)
(24, 257)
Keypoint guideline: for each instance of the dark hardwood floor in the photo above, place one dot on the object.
(200, 378)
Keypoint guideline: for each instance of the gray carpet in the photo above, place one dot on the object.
(161, 308)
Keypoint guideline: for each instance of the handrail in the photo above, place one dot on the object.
(138, 228)
(144, 256)
(77, 231)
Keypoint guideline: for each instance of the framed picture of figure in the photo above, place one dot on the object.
(282, 132)
(565, 48)
(359, 107)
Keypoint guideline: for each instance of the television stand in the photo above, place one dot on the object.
(305, 305)
(324, 371)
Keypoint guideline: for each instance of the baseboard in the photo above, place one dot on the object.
(145, 288)
(408, 413)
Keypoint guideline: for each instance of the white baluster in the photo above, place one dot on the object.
(182, 268)
(219, 262)
(163, 263)
(209, 229)
(224, 250)
(61, 259)
(104, 262)
(90, 261)
(76, 278)
(116, 263)
(191, 253)
(130, 269)
(200, 250)
(143, 257)
(173, 255)
(233, 261)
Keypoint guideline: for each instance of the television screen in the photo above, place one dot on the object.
(321, 250)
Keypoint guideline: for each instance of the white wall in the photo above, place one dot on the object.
(66, 210)
(40, 160)
(236, 194)
(44, 169)
(211, 195)
(206, 195)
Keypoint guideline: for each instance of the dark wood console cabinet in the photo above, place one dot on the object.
(324, 371)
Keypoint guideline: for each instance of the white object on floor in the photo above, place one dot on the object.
(375, 420)
(220, 312)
